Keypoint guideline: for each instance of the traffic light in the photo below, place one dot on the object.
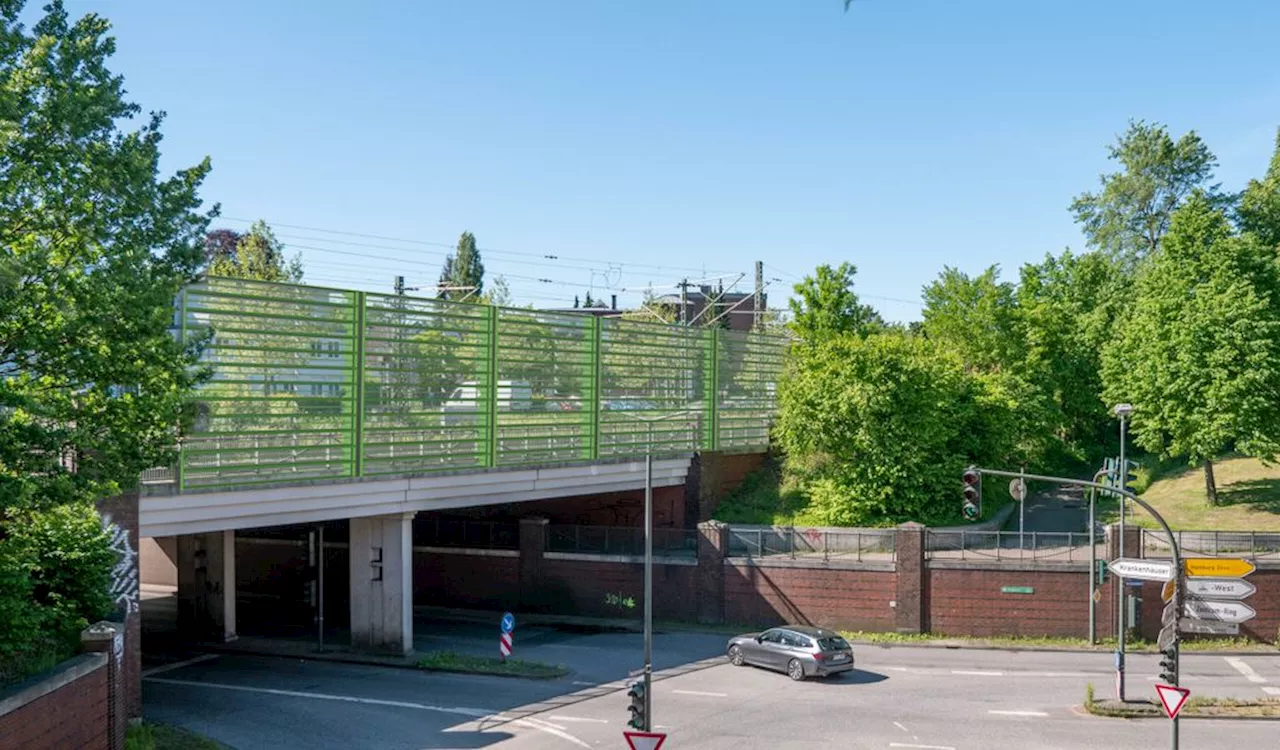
(1130, 472)
(639, 721)
(972, 507)
(1169, 665)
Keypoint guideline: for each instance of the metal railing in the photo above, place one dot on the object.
(858, 545)
(312, 383)
(465, 532)
(1254, 545)
(620, 540)
(1012, 546)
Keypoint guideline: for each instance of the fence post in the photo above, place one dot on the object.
(597, 327)
(791, 541)
(826, 545)
(357, 386)
(759, 542)
(491, 391)
(909, 544)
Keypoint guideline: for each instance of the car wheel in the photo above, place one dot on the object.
(735, 656)
(795, 670)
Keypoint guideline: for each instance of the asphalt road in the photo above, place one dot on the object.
(906, 698)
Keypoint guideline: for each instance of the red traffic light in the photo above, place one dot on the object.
(972, 477)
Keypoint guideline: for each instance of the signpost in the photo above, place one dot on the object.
(504, 639)
(645, 740)
(1173, 698)
(1147, 570)
(1166, 592)
(1210, 609)
(1218, 567)
(1207, 627)
(1220, 588)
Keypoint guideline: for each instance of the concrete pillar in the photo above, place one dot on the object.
(712, 543)
(207, 585)
(910, 602)
(109, 638)
(533, 542)
(381, 560)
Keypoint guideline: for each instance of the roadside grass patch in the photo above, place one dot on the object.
(449, 661)
(152, 736)
(1103, 644)
(1197, 707)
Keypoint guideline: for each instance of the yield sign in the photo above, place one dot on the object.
(645, 740)
(1173, 698)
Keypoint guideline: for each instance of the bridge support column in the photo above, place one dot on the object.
(381, 554)
(207, 585)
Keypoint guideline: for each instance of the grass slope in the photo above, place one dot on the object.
(1248, 497)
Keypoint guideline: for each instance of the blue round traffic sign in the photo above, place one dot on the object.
(508, 622)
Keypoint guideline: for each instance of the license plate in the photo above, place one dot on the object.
(839, 658)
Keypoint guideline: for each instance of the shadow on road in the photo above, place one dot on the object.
(856, 677)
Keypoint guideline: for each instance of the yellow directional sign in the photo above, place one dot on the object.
(1166, 593)
(1218, 567)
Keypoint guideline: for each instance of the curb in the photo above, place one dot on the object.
(1047, 649)
(1155, 713)
(341, 657)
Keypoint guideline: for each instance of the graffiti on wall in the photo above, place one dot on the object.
(124, 575)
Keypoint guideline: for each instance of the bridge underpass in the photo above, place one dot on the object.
(361, 410)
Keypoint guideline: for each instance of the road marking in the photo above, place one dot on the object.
(178, 665)
(471, 713)
(699, 692)
(1018, 713)
(977, 673)
(1271, 690)
(580, 682)
(1244, 669)
(572, 719)
(899, 726)
(921, 747)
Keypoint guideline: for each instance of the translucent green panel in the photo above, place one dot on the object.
(283, 360)
(652, 388)
(544, 387)
(426, 377)
(748, 368)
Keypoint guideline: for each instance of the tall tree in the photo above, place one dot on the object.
(257, 255)
(498, 294)
(976, 316)
(1197, 354)
(463, 272)
(1259, 210)
(825, 304)
(1130, 215)
(95, 246)
(220, 244)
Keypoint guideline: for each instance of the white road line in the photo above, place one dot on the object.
(1244, 669)
(977, 673)
(922, 747)
(1271, 690)
(178, 665)
(472, 713)
(699, 692)
(580, 719)
(1018, 713)
(899, 726)
(580, 682)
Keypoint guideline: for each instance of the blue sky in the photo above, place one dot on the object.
(649, 141)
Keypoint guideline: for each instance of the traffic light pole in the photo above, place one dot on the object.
(1122, 611)
(648, 584)
(1173, 547)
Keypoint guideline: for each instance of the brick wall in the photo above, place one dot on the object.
(970, 601)
(581, 586)
(453, 578)
(75, 714)
(831, 596)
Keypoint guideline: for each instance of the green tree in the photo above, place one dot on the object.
(1197, 354)
(498, 294)
(1259, 210)
(825, 304)
(94, 247)
(975, 316)
(257, 255)
(463, 272)
(1129, 215)
(878, 428)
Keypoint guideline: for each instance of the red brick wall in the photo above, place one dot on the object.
(855, 599)
(581, 587)
(970, 602)
(447, 579)
(73, 716)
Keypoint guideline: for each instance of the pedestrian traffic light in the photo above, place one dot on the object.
(1169, 665)
(639, 721)
(972, 506)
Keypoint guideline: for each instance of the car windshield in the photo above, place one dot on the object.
(833, 644)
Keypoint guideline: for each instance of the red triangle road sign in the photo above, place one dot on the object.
(645, 740)
(1173, 698)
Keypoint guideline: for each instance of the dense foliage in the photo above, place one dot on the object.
(94, 246)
